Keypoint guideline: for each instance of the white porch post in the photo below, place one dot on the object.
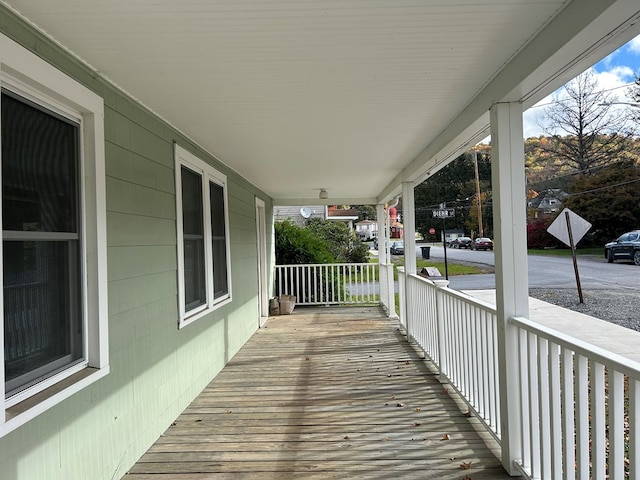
(387, 285)
(512, 288)
(409, 223)
(381, 215)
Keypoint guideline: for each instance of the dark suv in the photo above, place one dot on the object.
(626, 247)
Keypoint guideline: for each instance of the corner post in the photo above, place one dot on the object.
(512, 286)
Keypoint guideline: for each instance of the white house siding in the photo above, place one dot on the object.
(156, 369)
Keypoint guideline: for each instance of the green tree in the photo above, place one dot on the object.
(337, 235)
(365, 212)
(609, 199)
(455, 185)
(298, 245)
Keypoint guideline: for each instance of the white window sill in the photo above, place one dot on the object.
(19, 414)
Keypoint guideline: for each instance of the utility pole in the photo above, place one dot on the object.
(478, 197)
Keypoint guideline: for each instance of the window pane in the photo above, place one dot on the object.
(39, 169)
(218, 241)
(41, 315)
(42, 292)
(193, 239)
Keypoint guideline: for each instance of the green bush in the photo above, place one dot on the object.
(296, 245)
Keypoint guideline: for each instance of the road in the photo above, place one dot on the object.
(544, 271)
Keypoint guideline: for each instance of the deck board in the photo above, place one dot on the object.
(321, 394)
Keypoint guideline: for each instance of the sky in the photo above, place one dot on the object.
(613, 73)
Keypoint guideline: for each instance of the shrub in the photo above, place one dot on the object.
(296, 245)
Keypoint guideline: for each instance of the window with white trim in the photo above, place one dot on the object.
(203, 240)
(53, 302)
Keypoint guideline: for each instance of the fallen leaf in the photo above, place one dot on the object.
(400, 404)
(417, 424)
(385, 439)
(444, 437)
(307, 358)
(198, 420)
(347, 437)
(418, 409)
(408, 362)
(393, 397)
(465, 465)
(229, 411)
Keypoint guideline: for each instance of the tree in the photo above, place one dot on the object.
(634, 93)
(365, 212)
(609, 199)
(455, 185)
(597, 132)
(298, 245)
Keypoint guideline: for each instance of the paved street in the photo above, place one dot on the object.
(544, 271)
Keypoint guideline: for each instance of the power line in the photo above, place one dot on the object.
(626, 85)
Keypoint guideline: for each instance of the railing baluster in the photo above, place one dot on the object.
(555, 412)
(598, 452)
(634, 428)
(568, 407)
(525, 399)
(534, 406)
(543, 407)
(582, 416)
(616, 424)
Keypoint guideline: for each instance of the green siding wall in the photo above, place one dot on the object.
(156, 369)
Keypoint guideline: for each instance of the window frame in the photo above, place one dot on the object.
(32, 78)
(208, 175)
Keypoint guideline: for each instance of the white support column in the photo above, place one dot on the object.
(409, 224)
(512, 287)
(381, 215)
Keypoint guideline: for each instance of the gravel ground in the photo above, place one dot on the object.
(619, 306)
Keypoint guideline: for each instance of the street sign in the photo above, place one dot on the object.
(560, 228)
(569, 228)
(444, 213)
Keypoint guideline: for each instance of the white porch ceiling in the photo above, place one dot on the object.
(353, 96)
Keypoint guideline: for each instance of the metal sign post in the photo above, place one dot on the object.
(444, 213)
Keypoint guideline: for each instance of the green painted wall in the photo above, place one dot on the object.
(156, 369)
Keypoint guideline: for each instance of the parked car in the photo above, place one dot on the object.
(397, 248)
(625, 247)
(482, 243)
(461, 242)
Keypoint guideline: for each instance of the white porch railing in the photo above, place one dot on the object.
(387, 288)
(330, 284)
(579, 409)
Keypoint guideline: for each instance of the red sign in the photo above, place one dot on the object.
(432, 231)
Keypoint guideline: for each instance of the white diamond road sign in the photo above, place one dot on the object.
(559, 229)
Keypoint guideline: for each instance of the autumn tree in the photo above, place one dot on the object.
(596, 132)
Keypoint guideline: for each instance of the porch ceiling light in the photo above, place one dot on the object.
(323, 194)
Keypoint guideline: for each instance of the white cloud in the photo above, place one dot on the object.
(634, 45)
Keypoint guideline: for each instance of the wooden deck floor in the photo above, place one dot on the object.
(322, 394)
